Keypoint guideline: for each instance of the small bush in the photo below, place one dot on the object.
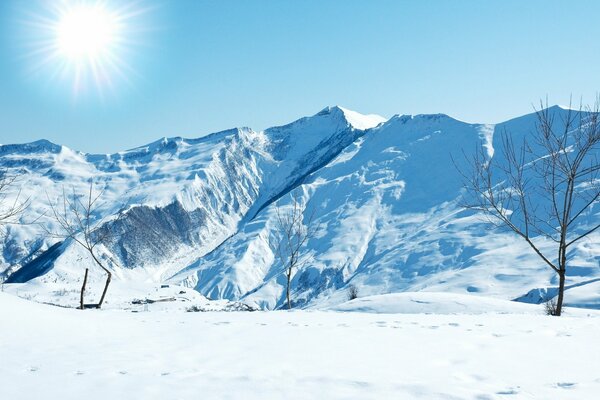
(550, 307)
(352, 292)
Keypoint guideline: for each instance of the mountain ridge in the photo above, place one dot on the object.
(385, 200)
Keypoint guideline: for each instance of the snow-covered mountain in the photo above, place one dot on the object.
(384, 195)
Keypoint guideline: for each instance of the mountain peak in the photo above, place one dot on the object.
(404, 118)
(355, 119)
(561, 107)
(39, 146)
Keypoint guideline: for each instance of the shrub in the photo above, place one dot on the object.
(352, 292)
(550, 307)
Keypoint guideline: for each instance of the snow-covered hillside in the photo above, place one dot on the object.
(183, 197)
(201, 212)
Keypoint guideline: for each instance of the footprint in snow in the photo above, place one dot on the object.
(33, 369)
(165, 373)
(79, 372)
(509, 391)
(566, 385)
(123, 372)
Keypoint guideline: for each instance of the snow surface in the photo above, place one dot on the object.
(433, 303)
(54, 353)
(123, 295)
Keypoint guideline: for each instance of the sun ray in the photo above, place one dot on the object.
(84, 43)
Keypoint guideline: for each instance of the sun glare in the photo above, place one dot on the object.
(86, 42)
(86, 32)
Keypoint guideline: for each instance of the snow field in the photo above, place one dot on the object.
(55, 353)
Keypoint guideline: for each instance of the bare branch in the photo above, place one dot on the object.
(544, 189)
(294, 227)
(75, 220)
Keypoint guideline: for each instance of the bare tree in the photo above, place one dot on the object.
(10, 210)
(293, 229)
(544, 186)
(11, 206)
(76, 219)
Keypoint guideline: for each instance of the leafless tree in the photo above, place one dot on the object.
(292, 229)
(10, 210)
(75, 215)
(543, 186)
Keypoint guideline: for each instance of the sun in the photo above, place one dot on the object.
(86, 44)
(87, 32)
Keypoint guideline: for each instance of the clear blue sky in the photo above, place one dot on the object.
(203, 66)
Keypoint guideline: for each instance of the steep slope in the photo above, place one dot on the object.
(400, 168)
(182, 197)
(389, 220)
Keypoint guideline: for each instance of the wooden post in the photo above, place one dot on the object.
(81, 305)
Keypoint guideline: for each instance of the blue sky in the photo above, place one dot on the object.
(203, 66)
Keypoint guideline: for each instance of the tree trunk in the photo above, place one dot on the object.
(108, 279)
(81, 305)
(289, 275)
(561, 293)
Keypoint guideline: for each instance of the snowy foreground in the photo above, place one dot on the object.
(49, 352)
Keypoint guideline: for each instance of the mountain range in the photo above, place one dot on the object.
(384, 196)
